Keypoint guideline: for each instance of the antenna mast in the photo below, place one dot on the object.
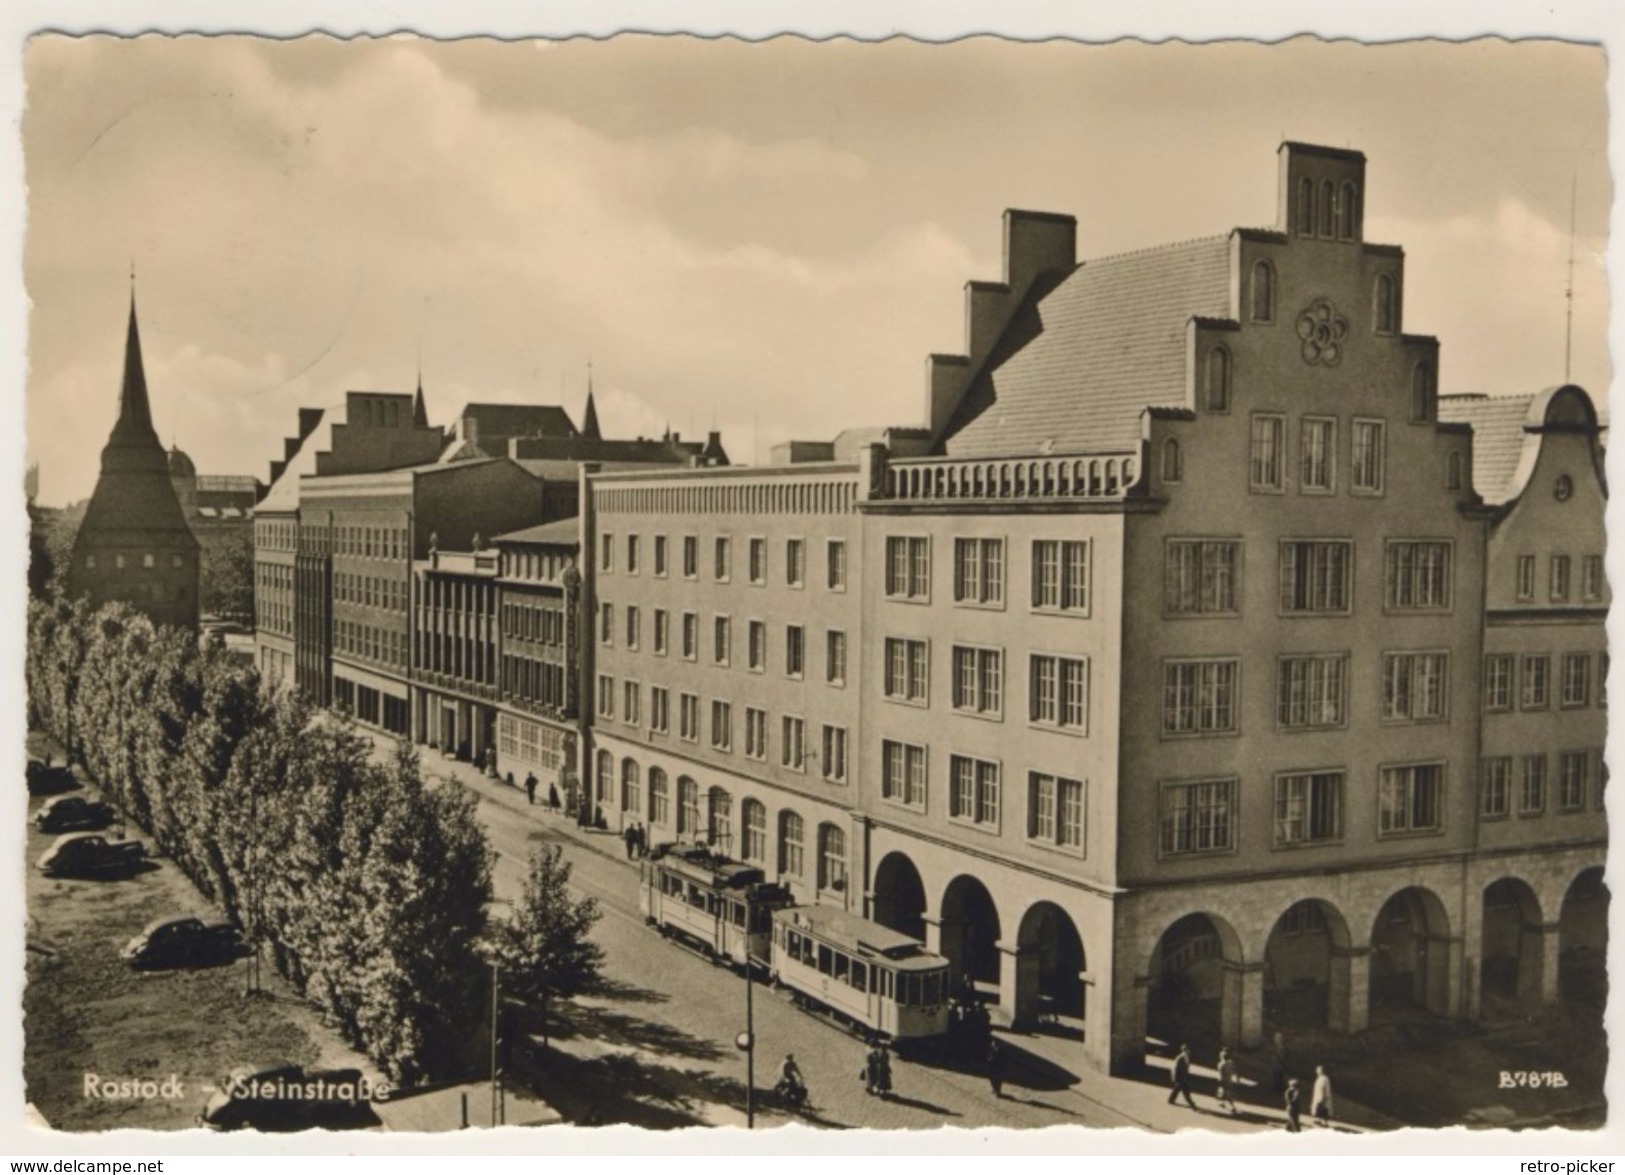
(1568, 332)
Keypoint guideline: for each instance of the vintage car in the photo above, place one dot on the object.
(73, 814)
(47, 779)
(183, 940)
(289, 1097)
(90, 854)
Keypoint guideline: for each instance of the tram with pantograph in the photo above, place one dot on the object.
(722, 907)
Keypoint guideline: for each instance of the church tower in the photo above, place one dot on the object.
(134, 544)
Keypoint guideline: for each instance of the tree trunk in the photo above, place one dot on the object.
(544, 1020)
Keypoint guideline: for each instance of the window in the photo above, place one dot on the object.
(1560, 579)
(1061, 576)
(791, 836)
(978, 681)
(1346, 208)
(1172, 466)
(1199, 577)
(606, 561)
(1526, 577)
(1197, 817)
(835, 657)
(1263, 292)
(1414, 686)
(831, 858)
(1602, 680)
(1199, 697)
(691, 636)
(753, 815)
(973, 794)
(979, 571)
(688, 807)
(632, 626)
(1324, 222)
(1498, 682)
(1306, 207)
(902, 773)
(688, 717)
(795, 650)
(1410, 798)
(1382, 305)
(1421, 394)
(721, 640)
(1368, 457)
(1315, 577)
(1573, 776)
(659, 709)
(660, 554)
(758, 561)
(835, 557)
(835, 754)
(1317, 455)
(1267, 465)
(691, 556)
(1454, 470)
(631, 554)
(722, 561)
(1059, 692)
(1218, 380)
(148, 560)
(606, 696)
(632, 714)
(662, 630)
(606, 623)
(908, 568)
(1055, 810)
(755, 733)
(659, 802)
(1311, 691)
(1532, 795)
(1417, 577)
(1308, 808)
(793, 750)
(1495, 788)
(907, 670)
(757, 639)
(1537, 682)
(722, 726)
(1591, 578)
(795, 562)
(1574, 684)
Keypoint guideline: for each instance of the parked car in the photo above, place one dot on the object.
(73, 814)
(90, 854)
(288, 1097)
(49, 779)
(183, 941)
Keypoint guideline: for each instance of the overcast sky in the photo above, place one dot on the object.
(770, 237)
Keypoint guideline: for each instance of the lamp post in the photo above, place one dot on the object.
(746, 1041)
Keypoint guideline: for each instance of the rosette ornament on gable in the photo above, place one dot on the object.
(1322, 330)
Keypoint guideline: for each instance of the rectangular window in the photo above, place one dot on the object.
(979, 571)
(1311, 691)
(1199, 577)
(1532, 794)
(722, 726)
(795, 650)
(606, 623)
(1058, 692)
(835, 553)
(1591, 578)
(793, 751)
(632, 626)
(902, 773)
(1199, 697)
(662, 630)
(1495, 788)
(606, 562)
(908, 568)
(1417, 577)
(1198, 817)
(755, 733)
(632, 554)
(1414, 686)
(1536, 693)
(978, 681)
(1317, 454)
(691, 556)
(660, 554)
(1411, 798)
(1573, 777)
(721, 640)
(835, 754)
(1061, 576)
(1268, 453)
(1055, 810)
(1560, 579)
(1575, 683)
(1498, 682)
(835, 657)
(973, 794)
(1315, 577)
(1308, 808)
(688, 717)
(606, 696)
(795, 562)
(659, 709)
(632, 714)
(722, 561)
(691, 636)
(1526, 577)
(758, 561)
(907, 670)
(1367, 457)
(756, 640)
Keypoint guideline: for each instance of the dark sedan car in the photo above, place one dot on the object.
(73, 814)
(45, 779)
(90, 854)
(183, 941)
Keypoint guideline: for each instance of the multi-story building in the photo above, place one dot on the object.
(1160, 700)
(219, 507)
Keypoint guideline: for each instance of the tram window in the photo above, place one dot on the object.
(737, 913)
(842, 966)
(791, 942)
(885, 983)
(760, 919)
(826, 959)
(860, 976)
(696, 896)
(910, 995)
(932, 993)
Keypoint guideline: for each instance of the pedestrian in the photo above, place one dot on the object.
(630, 836)
(1182, 1077)
(643, 840)
(995, 1067)
(1294, 1107)
(1278, 1063)
(1227, 1080)
(552, 797)
(871, 1069)
(884, 1072)
(1320, 1098)
(530, 787)
(598, 817)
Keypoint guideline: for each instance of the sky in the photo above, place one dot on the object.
(766, 239)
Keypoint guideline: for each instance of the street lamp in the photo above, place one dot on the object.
(746, 1040)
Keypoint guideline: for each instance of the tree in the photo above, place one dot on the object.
(544, 951)
(226, 575)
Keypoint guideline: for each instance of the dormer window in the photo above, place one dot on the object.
(1382, 305)
(1263, 292)
(1306, 207)
(1172, 468)
(1345, 213)
(1218, 380)
(1421, 393)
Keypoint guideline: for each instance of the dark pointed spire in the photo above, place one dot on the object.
(589, 418)
(134, 424)
(420, 413)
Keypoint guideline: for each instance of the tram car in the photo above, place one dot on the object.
(723, 907)
(871, 978)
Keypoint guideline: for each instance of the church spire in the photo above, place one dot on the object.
(134, 424)
(589, 418)
(420, 413)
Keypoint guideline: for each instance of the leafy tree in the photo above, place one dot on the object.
(226, 575)
(544, 951)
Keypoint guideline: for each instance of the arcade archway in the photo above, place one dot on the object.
(1049, 966)
(1510, 956)
(970, 931)
(1410, 957)
(1582, 937)
(900, 896)
(1195, 988)
(1307, 970)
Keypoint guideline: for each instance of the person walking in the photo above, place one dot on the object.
(1294, 1107)
(871, 1069)
(995, 1067)
(552, 797)
(884, 1083)
(1226, 1093)
(643, 841)
(1182, 1077)
(629, 835)
(1320, 1098)
(530, 787)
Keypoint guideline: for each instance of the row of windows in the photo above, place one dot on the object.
(794, 662)
(539, 566)
(1060, 572)
(1559, 582)
(148, 561)
(370, 542)
(1317, 455)
(366, 640)
(370, 590)
(273, 597)
(533, 622)
(1058, 687)
(528, 680)
(792, 569)
(275, 536)
(1520, 784)
(1528, 679)
(1201, 577)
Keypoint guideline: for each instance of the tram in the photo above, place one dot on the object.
(722, 907)
(868, 976)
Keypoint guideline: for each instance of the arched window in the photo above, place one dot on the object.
(719, 820)
(1171, 469)
(1218, 379)
(831, 857)
(688, 807)
(754, 817)
(1306, 207)
(791, 834)
(631, 793)
(1382, 308)
(1263, 292)
(659, 800)
(1346, 212)
(606, 776)
(1327, 225)
(1453, 471)
(1421, 393)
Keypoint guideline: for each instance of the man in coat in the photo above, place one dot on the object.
(1182, 1077)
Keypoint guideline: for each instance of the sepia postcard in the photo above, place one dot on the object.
(661, 582)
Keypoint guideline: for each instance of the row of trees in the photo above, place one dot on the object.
(368, 886)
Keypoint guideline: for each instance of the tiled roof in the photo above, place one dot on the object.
(1088, 352)
(566, 531)
(1498, 439)
(283, 496)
